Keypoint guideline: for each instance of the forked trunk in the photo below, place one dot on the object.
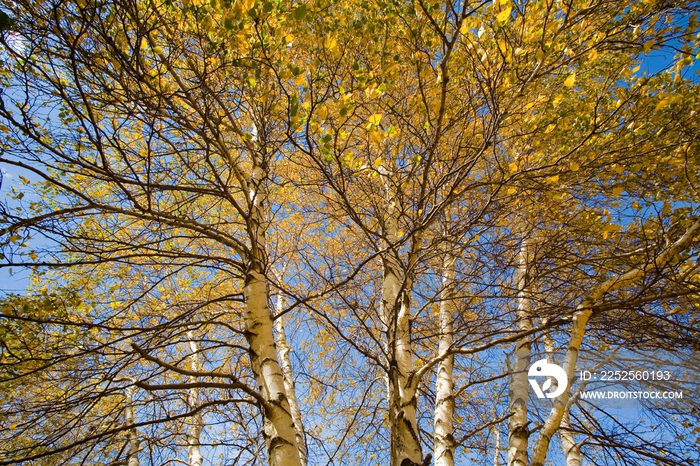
(396, 307)
(278, 428)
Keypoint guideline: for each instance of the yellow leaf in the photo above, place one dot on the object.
(33, 256)
(648, 45)
(504, 15)
(539, 55)
(465, 28)
(574, 166)
(331, 44)
(322, 112)
(513, 167)
(617, 191)
(378, 162)
(571, 80)
(400, 233)
(662, 103)
(610, 228)
(375, 119)
(551, 179)
(502, 45)
(593, 54)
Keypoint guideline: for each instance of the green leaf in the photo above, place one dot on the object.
(300, 12)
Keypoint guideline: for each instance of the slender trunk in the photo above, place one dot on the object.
(571, 449)
(396, 291)
(518, 432)
(196, 422)
(568, 443)
(132, 434)
(578, 328)
(444, 443)
(278, 431)
(278, 427)
(498, 446)
(285, 361)
(402, 391)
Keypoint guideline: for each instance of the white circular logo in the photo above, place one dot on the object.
(542, 368)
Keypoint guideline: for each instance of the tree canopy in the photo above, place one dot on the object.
(290, 233)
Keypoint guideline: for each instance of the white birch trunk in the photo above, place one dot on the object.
(518, 432)
(444, 443)
(578, 330)
(402, 391)
(285, 361)
(132, 433)
(278, 430)
(497, 454)
(571, 449)
(568, 442)
(396, 288)
(196, 422)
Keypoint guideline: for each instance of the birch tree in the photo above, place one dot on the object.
(335, 232)
(132, 105)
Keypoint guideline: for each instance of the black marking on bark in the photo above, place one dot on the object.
(445, 399)
(278, 442)
(520, 431)
(409, 426)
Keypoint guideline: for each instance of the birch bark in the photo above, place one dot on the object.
(518, 432)
(132, 434)
(285, 361)
(278, 431)
(568, 442)
(196, 422)
(405, 444)
(444, 443)
(497, 453)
